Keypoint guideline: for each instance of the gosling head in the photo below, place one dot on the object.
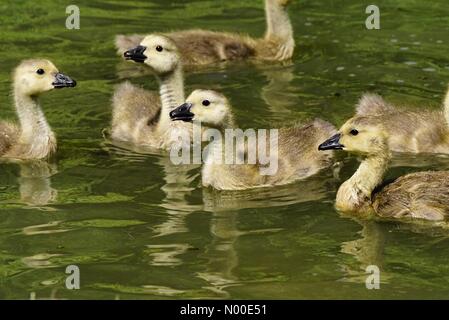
(33, 77)
(158, 52)
(359, 135)
(210, 108)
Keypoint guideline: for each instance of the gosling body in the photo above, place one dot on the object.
(293, 163)
(421, 195)
(141, 117)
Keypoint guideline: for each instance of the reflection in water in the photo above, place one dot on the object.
(221, 254)
(47, 228)
(35, 184)
(311, 189)
(178, 185)
(276, 94)
(33, 295)
(162, 291)
(166, 254)
(367, 250)
(41, 260)
(180, 181)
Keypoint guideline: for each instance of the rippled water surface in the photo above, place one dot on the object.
(139, 227)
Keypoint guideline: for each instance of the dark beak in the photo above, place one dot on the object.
(136, 54)
(63, 81)
(333, 143)
(182, 113)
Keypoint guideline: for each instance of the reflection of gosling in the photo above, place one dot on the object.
(423, 195)
(276, 93)
(35, 183)
(297, 157)
(138, 116)
(201, 47)
(408, 130)
(33, 138)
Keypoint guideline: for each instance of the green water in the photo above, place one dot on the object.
(138, 227)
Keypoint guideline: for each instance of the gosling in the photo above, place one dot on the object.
(412, 131)
(297, 156)
(201, 47)
(421, 195)
(32, 138)
(140, 117)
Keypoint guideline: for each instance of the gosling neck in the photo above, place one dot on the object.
(171, 90)
(279, 26)
(355, 193)
(216, 148)
(36, 139)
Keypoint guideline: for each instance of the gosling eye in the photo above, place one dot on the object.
(40, 71)
(159, 49)
(206, 103)
(354, 132)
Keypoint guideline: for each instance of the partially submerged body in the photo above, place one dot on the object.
(421, 195)
(32, 137)
(295, 149)
(201, 47)
(140, 117)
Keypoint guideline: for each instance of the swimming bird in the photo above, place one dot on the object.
(421, 195)
(201, 47)
(297, 156)
(141, 117)
(409, 130)
(32, 138)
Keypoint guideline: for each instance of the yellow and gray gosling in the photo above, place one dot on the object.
(32, 138)
(141, 117)
(421, 195)
(297, 155)
(201, 47)
(409, 130)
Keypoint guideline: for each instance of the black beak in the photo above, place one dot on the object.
(182, 113)
(333, 143)
(136, 54)
(63, 81)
